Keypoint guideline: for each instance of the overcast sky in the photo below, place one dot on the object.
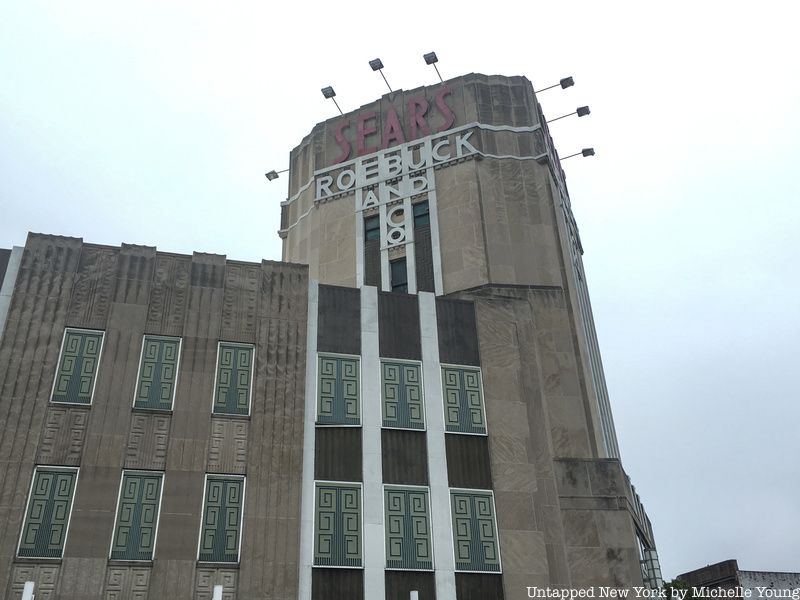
(154, 122)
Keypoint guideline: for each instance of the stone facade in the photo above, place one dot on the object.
(446, 430)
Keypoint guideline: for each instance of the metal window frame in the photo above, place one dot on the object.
(97, 371)
(442, 366)
(401, 486)
(158, 515)
(360, 390)
(216, 374)
(203, 514)
(360, 485)
(177, 373)
(382, 360)
(484, 492)
(36, 468)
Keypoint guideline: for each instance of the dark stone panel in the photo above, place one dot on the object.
(468, 463)
(398, 323)
(240, 302)
(94, 287)
(337, 584)
(339, 325)
(271, 534)
(405, 456)
(479, 586)
(337, 454)
(134, 274)
(458, 333)
(169, 291)
(399, 584)
(208, 270)
(423, 258)
(4, 256)
(372, 263)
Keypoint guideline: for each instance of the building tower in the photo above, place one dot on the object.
(412, 401)
(455, 193)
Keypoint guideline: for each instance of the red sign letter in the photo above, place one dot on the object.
(449, 116)
(417, 107)
(343, 143)
(363, 132)
(392, 131)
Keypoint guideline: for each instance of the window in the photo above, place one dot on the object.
(401, 388)
(137, 516)
(47, 518)
(77, 366)
(422, 215)
(474, 531)
(220, 535)
(408, 531)
(337, 525)
(338, 391)
(399, 275)
(463, 400)
(372, 228)
(234, 379)
(158, 371)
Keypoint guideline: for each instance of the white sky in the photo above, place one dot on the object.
(154, 122)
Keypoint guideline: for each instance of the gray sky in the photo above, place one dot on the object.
(153, 123)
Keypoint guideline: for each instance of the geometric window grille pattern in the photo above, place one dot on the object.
(337, 399)
(78, 368)
(45, 527)
(137, 517)
(222, 518)
(234, 374)
(402, 395)
(157, 373)
(474, 535)
(408, 534)
(337, 525)
(463, 400)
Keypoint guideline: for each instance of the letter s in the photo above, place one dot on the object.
(447, 113)
(343, 143)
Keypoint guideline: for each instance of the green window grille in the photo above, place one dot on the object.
(157, 373)
(474, 532)
(337, 525)
(49, 505)
(408, 532)
(463, 400)
(77, 369)
(234, 375)
(222, 519)
(401, 385)
(337, 395)
(137, 517)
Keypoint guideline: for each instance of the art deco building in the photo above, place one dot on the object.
(413, 401)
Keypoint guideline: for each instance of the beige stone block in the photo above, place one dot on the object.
(515, 511)
(615, 528)
(523, 552)
(515, 585)
(572, 478)
(514, 477)
(580, 529)
(508, 417)
(508, 448)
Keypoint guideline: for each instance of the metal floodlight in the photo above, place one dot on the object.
(329, 95)
(432, 59)
(564, 83)
(377, 65)
(581, 111)
(273, 175)
(584, 152)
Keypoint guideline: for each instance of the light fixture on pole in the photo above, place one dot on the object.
(431, 59)
(273, 175)
(377, 65)
(581, 111)
(564, 83)
(331, 95)
(584, 152)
